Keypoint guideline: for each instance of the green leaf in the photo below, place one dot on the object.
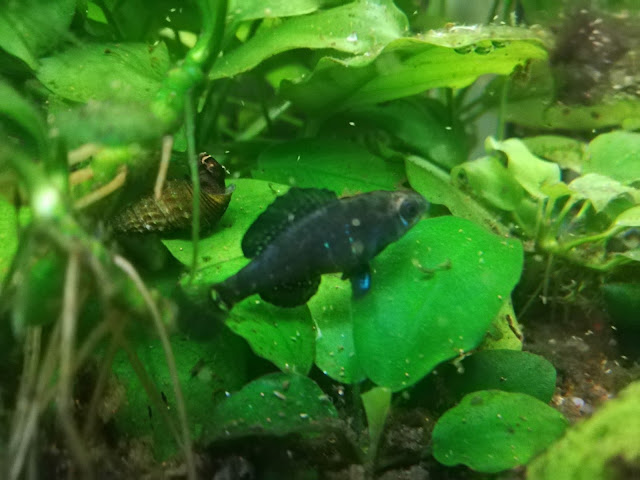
(599, 448)
(487, 179)
(452, 58)
(106, 123)
(8, 236)
(615, 155)
(435, 293)
(276, 404)
(332, 312)
(601, 190)
(377, 403)
(16, 111)
(506, 370)
(623, 303)
(39, 295)
(206, 370)
(528, 170)
(505, 332)
(29, 28)
(340, 166)
(284, 336)
(243, 10)
(435, 185)
(490, 431)
(345, 28)
(422, 126)
(567, 152)
(628, 218)
(123, 71)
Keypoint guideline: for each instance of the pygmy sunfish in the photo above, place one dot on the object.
(308, 232)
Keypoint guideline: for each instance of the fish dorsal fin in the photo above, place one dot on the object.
(282, 213)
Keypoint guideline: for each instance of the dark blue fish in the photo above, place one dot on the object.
(308, 232)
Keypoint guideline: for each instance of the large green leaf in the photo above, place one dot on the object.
(345, 28)
(124, 71)
(206, 370)
(435, 293)
(29, 28)
(452, 58)
(337, 165)
(491, 431)
(276, 404)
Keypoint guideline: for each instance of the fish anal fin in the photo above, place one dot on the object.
(360, 279)
(283, 212)
(291, 294)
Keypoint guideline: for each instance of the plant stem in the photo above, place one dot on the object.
(189, 114)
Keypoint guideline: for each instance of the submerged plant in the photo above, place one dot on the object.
(103, 106)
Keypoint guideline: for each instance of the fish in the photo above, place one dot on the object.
(173, 211)
(308, 232)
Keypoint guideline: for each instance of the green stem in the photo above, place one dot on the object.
(502, 110)
(169, 103)
(592, 238)
(189, 119)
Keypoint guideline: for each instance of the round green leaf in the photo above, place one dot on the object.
(506, 370)
(434, 295)
(276, 404)
(337, 165)
(490, 431)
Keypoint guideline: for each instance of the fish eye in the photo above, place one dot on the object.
(409, 210)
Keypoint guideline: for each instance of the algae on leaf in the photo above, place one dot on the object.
(603, 447)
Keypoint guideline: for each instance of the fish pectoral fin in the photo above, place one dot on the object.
(360, 279)
(291, 294)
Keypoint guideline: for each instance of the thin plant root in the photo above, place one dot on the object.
(102, 192)
(167, 145)
(131, 272)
